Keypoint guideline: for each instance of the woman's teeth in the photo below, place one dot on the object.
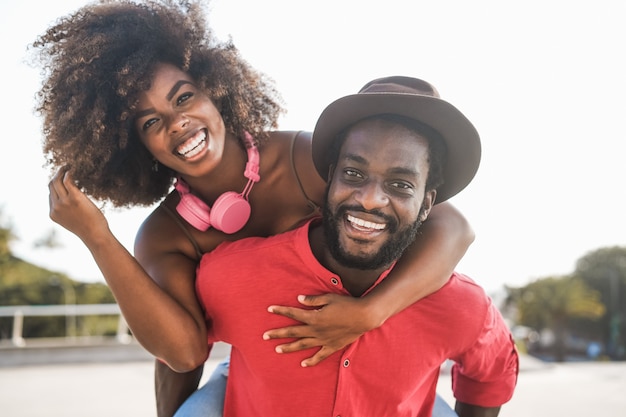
(193, 146)
(362, 224)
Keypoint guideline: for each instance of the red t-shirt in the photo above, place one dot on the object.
(391, 370)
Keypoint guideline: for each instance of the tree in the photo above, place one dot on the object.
(49, 240)
(6, 237)
(605, 271)
(553, 302)
(22, 283)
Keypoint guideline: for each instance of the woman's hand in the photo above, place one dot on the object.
(72, 209)
(335, 322)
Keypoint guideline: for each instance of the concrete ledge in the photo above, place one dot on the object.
(59, 354)
(63, 351)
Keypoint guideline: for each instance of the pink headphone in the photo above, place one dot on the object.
(231, 210)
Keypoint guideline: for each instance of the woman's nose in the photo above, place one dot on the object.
(178, 122)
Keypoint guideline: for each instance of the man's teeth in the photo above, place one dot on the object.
(365, 224)
(192, 147)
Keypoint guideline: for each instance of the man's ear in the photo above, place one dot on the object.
(331, 172)
(427, 204)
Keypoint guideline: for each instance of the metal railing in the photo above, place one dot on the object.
(70, 311)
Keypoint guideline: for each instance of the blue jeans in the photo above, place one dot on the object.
(208, 400)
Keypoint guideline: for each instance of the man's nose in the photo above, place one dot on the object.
(372, 195)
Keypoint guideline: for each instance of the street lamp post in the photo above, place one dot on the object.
(69, 297)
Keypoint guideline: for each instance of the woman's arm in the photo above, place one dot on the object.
(426, 265)
(164, 315)
(423, 269)
(173, 388)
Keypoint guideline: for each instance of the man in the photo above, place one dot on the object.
(388, 153)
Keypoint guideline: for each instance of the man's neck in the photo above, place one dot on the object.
(355, 281)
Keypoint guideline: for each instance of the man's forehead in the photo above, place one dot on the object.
(384, 136)
(400, 152)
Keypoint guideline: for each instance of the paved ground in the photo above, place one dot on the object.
(125, 389)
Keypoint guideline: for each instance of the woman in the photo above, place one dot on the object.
(139, 96)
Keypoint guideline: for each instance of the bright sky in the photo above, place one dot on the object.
(543, 82)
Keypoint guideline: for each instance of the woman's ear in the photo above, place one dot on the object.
(218, 104)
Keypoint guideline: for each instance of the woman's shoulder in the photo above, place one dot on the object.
(295, 149)
(161, 233)
(293, 143)
(290, 135)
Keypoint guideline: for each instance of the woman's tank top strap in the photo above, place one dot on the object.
(183, 228)
(314, 207)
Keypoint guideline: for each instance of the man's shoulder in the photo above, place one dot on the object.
(465, 282)
(252, 246)
(465, 290)
(458, 310)
(248, 244)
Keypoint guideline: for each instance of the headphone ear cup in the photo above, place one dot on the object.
(194, 211)
(230, 212)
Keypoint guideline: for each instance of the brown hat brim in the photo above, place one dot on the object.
(461, 138)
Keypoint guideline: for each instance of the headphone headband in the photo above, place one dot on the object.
(231, 210)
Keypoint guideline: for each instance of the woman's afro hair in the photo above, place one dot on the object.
(97, 60)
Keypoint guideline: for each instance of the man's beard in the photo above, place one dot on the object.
(388, 253)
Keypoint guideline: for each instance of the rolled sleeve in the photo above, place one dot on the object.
(486, 374)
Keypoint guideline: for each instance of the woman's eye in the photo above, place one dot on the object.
(184, 97)
(149, 123)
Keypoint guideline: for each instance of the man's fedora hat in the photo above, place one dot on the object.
(412, 98)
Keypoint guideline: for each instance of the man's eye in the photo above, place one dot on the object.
(402, 188)
(352, 173)
(401, 185)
